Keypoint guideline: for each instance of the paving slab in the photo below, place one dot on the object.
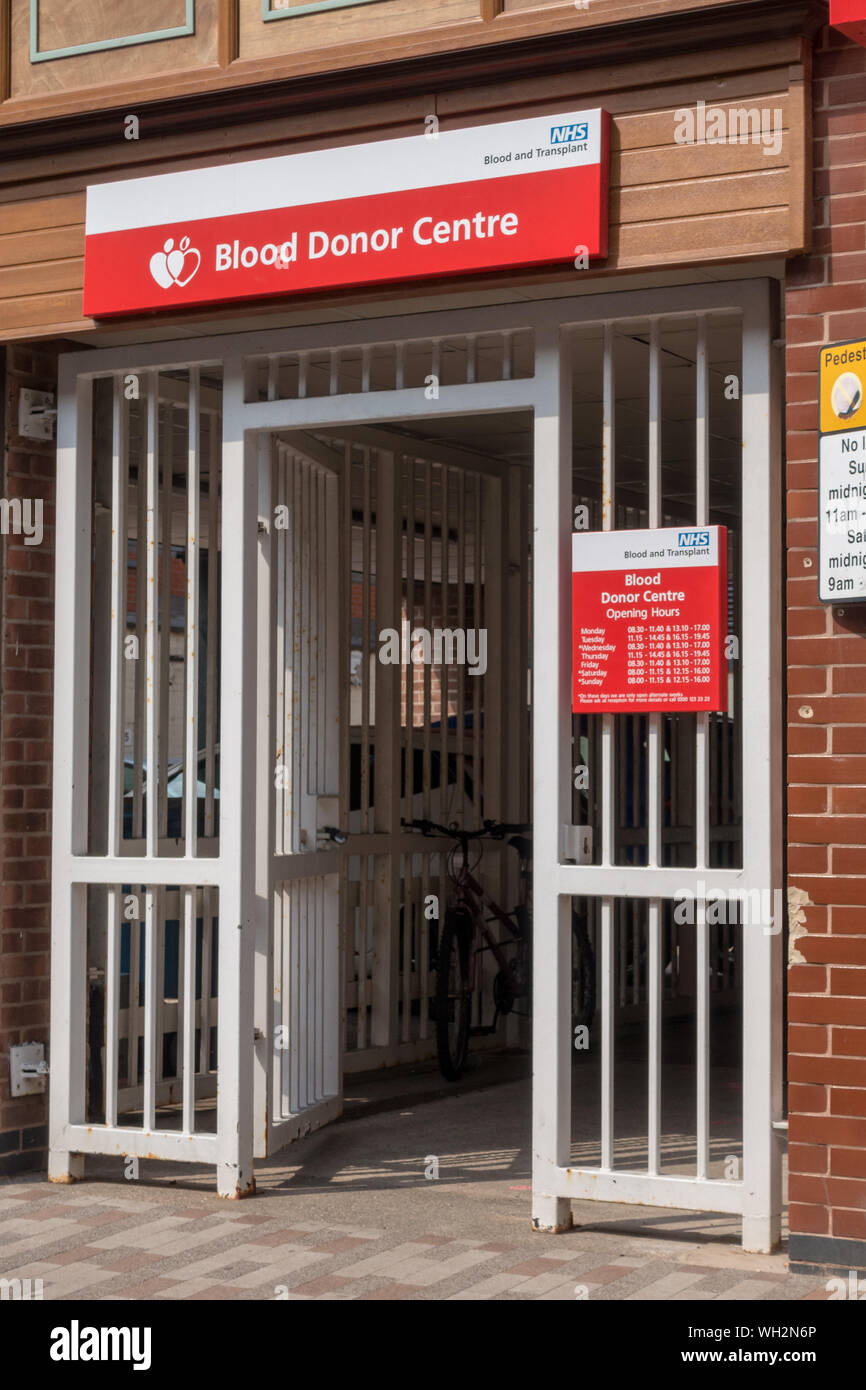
(347, 1214)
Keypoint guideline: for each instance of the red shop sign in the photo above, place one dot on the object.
(518, 193)
(649, 620)
(850, 17)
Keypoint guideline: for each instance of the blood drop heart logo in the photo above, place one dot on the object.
(173, 264)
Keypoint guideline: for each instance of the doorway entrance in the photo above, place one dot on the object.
(304, 506)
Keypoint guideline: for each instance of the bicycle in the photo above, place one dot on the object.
(466, 934)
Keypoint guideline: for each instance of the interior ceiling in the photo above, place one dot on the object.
(507, 437)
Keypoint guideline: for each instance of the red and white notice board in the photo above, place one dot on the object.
(518, 193)
(649, 620)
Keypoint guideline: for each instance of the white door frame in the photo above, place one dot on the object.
(235, 872)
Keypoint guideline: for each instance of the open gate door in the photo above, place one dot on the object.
(298, 1004)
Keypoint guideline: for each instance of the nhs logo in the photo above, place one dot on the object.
(564, 134)
(693, 540)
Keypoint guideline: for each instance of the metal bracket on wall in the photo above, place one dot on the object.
(37, 413)
(27, 1068)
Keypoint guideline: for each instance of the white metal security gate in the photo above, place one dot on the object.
(616, 881)
(298, 723)
(271, 994)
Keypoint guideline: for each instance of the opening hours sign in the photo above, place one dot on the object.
(649, 620)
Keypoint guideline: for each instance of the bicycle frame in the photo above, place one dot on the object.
(475, 899)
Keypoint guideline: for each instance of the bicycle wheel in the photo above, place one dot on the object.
(582, 974)
(453, 1000)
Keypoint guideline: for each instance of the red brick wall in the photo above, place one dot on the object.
(26, 682)
(826, 302)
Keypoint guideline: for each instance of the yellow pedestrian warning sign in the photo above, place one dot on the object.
(843, 386)
(842, 473)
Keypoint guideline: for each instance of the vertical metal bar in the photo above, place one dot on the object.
(160, 786)
(702, 992)
(551, 769)
(213, 545)
(193, 484)
(445, 481)
(654, 995)
(654, 798)
(297, 652)
(313, 684)
(702, 426)
(429, 625)
(279, 551)
(283, 933)
(267, 1058)
(292, 669)
(462, 483)
(346, 930)
(293, 915)
(406, 990)
(424, 929)
(388, 733)
(238, 706)
(761, 713)
(409, 669)
(362, 950)
(323, 638)
(133, 1028)
(119, 570)
(186, 1009)
(608, 493)
(322, 982)
(477, 622)
(311, 992)
(151, 661)
(622, 949)
(306, 586)
(608, 998)
(112, 1003)
(366, 825)
(206, 943)
(152, 916)
(141, 591)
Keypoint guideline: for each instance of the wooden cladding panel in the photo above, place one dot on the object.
(282, 48)
(67, 26)
(671, 204)
(384, 19)
(606, 11)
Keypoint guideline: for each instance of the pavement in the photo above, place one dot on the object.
(424, 1193)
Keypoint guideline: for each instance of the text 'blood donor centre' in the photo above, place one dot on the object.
(649, 618)
(518, 193)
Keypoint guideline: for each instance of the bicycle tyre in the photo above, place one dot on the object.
(582, 974)
(453, 1000)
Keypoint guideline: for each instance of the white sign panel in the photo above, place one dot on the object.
(842, 516)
